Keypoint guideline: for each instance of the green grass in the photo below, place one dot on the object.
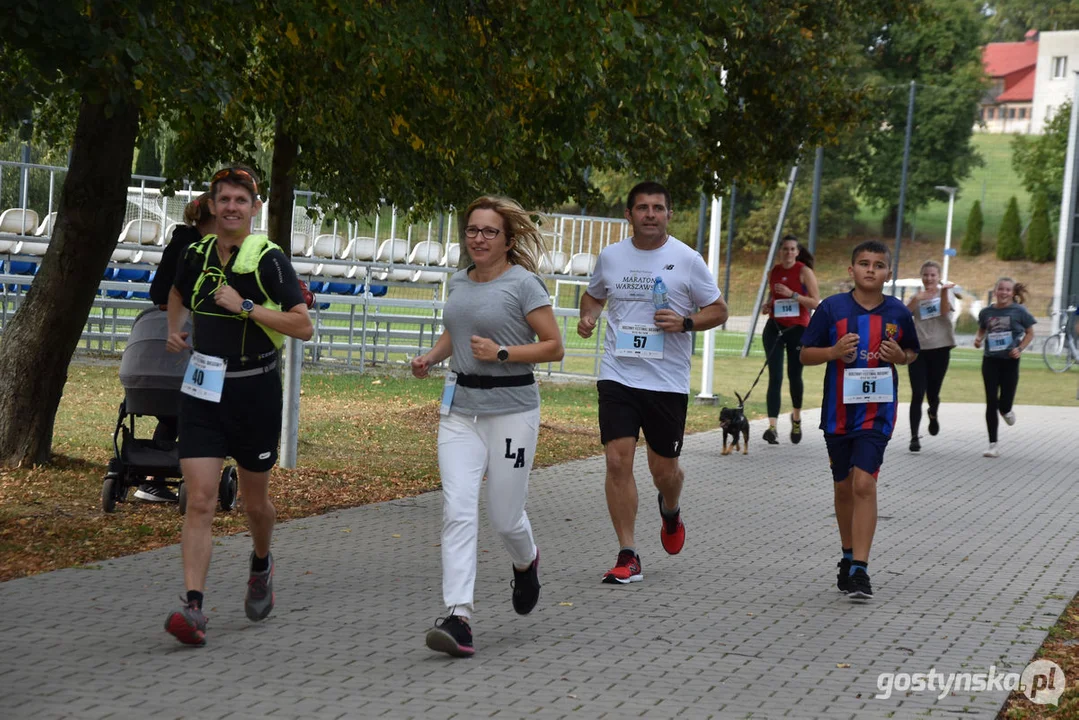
(993, 184)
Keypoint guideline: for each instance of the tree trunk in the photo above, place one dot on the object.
(40, 339)
(282, 182)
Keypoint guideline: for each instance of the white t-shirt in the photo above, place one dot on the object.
(624, 277)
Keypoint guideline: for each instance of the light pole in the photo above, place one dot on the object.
(948, 252)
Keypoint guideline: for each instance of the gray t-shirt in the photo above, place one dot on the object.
(1004, 328)
(495, 309)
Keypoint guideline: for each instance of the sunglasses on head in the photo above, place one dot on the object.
(242, 174)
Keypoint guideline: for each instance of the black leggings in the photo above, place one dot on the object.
(1001, 378)
(926, 375)
(792, 339)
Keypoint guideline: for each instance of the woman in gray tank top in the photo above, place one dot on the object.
(932, 319)
(496, 308)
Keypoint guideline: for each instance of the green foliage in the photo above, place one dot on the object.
(1011, 19)
(940, 50)
(1039, 159)
(1009, 244)
(972, 236)
(11, 147)
(1040, 245)
(837, 211)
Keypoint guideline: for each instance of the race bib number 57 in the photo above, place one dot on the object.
(639, 341)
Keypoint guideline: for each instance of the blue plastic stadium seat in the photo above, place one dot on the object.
(341, 288)
(379, 290)
(21, 267)
(110, 273)
(131, 274)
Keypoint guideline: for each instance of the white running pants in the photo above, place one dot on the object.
(502, 447)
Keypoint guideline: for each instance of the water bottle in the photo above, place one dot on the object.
(659, 294)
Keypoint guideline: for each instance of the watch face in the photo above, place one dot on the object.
(503, 355)
(247, 305)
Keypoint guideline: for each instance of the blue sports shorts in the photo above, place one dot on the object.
(862, 449)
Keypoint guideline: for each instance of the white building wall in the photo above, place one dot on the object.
(1049, 91)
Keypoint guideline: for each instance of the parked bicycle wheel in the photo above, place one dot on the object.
(1057, 353)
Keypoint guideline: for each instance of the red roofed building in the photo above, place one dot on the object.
(1007, 106)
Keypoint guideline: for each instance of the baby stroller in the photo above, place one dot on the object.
(151, 377)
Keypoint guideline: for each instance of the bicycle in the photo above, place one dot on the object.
(1060, 351)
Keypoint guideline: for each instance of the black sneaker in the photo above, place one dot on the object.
(796, 431)
(934, 424)
(526, 587)
(915, 444)
(771, 437)
(842, 580)
(156, 493)
(859, 589)
(451, 635)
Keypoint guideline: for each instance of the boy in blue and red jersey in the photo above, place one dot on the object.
(862, 335)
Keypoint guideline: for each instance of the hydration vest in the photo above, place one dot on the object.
(252, 250)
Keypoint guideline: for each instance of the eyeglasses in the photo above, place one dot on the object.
(238, 172)
(489, 233)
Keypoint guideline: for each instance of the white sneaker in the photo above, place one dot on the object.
(992, 451)
(1009, 417)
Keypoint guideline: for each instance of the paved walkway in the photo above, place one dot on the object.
(974, 560)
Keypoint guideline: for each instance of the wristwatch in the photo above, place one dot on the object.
(245, 308)
(503, 354)
(687, 324)
(794, 296)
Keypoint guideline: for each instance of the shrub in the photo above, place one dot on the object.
(1040, 246)
(1009, 245)
(972, 237)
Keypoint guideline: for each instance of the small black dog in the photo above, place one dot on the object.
(733, 421)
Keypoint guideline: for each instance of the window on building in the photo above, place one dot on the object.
(1011, 113)
(1022, 113)
(992, 113)
(981, 114)
(1059, 67)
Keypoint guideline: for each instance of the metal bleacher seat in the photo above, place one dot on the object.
(427, 252)
(16, 221)
(581, 264)
(300, 253)
(136, 232)
(393, 251)
(330, 247)
(553, 261)
(452, 256)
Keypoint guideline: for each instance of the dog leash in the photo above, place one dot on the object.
(766, 359)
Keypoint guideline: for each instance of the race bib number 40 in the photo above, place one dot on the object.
(639, 341)
(204, 377)
(867, 385)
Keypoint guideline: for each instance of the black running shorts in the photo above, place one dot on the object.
(245, 425)
(625, 411)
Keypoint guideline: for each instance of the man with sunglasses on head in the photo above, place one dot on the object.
(656, 289)
(243, 297)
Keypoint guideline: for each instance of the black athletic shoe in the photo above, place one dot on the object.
(771, 437)
(155, 493)
(526, 587)
(934, 424)
(842, 580)
(915, 444)
(796, 431)
(452, 636)
(859, 589)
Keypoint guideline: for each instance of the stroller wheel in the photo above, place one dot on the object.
(182, 496)
(108, 494)
(226, 490)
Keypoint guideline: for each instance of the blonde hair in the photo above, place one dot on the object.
(524, 243)
(932, 264)
(197, 211)
(1019, 290)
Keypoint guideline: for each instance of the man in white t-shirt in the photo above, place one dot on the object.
(644, 376)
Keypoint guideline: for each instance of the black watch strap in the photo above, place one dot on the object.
(687, 324)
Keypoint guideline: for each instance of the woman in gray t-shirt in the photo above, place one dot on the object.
(1006, 329)
(496, 308)
(931, 308)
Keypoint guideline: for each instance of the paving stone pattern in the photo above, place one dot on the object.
(974, 560)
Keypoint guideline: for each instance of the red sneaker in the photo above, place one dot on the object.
(626, 570)
(672, 533)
